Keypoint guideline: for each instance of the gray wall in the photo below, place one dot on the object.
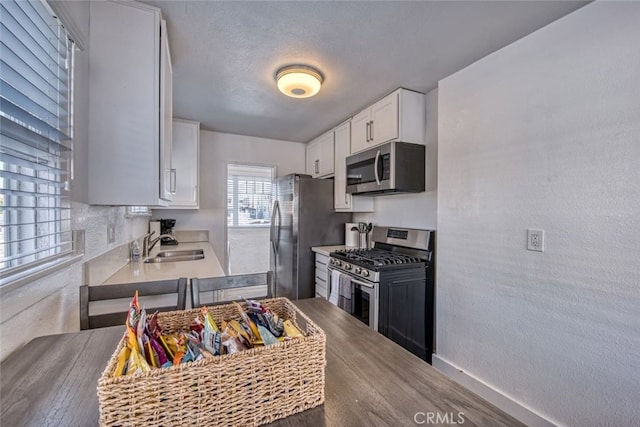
(545, 133)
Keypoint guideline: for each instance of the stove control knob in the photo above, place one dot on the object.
(357, 270)
(331, 261)
(338, 263)
(365, 273)
(347, 266)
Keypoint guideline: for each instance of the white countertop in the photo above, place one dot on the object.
(326, 250)
(141, 272)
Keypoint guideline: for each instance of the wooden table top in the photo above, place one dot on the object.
(369, 380)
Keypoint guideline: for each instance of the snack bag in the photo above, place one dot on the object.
(291, 331)
(208, 320)
(121, 366)
(137, 363)
(210, 333)
(133, 316)
(160, 352)
(267, 337)
(142, 325)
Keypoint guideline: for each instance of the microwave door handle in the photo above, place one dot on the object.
(375, 168)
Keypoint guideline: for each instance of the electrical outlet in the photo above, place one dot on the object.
(535, 240)
(111, 233)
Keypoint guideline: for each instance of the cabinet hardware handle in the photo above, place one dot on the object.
(346, 201)
(317, 166)
(371, 130)
(367, 131)
(172, 182)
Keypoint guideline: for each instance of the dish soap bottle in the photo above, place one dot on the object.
(135, 251)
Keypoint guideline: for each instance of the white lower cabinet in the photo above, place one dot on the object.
(322, 276)
(344, 202)
(185, 161)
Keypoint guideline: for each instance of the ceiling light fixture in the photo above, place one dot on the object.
(299, 81)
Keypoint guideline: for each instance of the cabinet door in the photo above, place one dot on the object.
(322, 276)
(167, 171)
(325, 142)
(313, 158)
(402, 315)
(360, 131)
(342, 144)
(186, 143)
(384, 115)
(125, 116)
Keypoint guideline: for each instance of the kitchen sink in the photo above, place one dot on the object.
(170, 254)
(176, 256)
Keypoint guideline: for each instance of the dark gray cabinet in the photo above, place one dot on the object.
(406, 312)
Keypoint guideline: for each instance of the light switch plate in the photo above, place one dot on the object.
(535, 239)
(111, 233)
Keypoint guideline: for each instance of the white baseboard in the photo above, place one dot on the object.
(490, 394)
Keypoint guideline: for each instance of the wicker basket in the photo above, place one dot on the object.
(248, 388)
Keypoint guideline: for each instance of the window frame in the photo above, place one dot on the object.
(235, 222)
(50, 230)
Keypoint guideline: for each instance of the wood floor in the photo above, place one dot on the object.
(371, 381)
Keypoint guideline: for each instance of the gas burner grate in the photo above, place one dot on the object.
(377, 257)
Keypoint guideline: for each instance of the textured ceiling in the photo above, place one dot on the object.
(225, 54)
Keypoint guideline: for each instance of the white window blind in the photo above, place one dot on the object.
(249, 195)
(36, 129)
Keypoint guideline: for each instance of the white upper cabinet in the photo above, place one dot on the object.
(344, 202)
(319, 154)
(184, 162)
(312, 155)
(130, 78)
(168, 177)
(360, 131)
(399, 116)
(384, 120)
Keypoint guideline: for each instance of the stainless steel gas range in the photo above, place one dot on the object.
(392, 285)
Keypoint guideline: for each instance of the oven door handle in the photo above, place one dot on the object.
(357, 282)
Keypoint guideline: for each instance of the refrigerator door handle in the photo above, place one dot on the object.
(277, 227)
(272, 232)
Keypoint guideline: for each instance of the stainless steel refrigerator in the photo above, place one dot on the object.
(303, 216)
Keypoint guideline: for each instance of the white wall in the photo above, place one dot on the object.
(413, 210)
(216, 151)
(545, 133)
(50, 305)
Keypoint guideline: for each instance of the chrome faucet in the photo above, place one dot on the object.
(148, 243)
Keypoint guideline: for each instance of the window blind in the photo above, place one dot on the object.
(249, 195)
(36, 130)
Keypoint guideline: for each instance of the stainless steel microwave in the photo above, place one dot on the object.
(394, 167)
